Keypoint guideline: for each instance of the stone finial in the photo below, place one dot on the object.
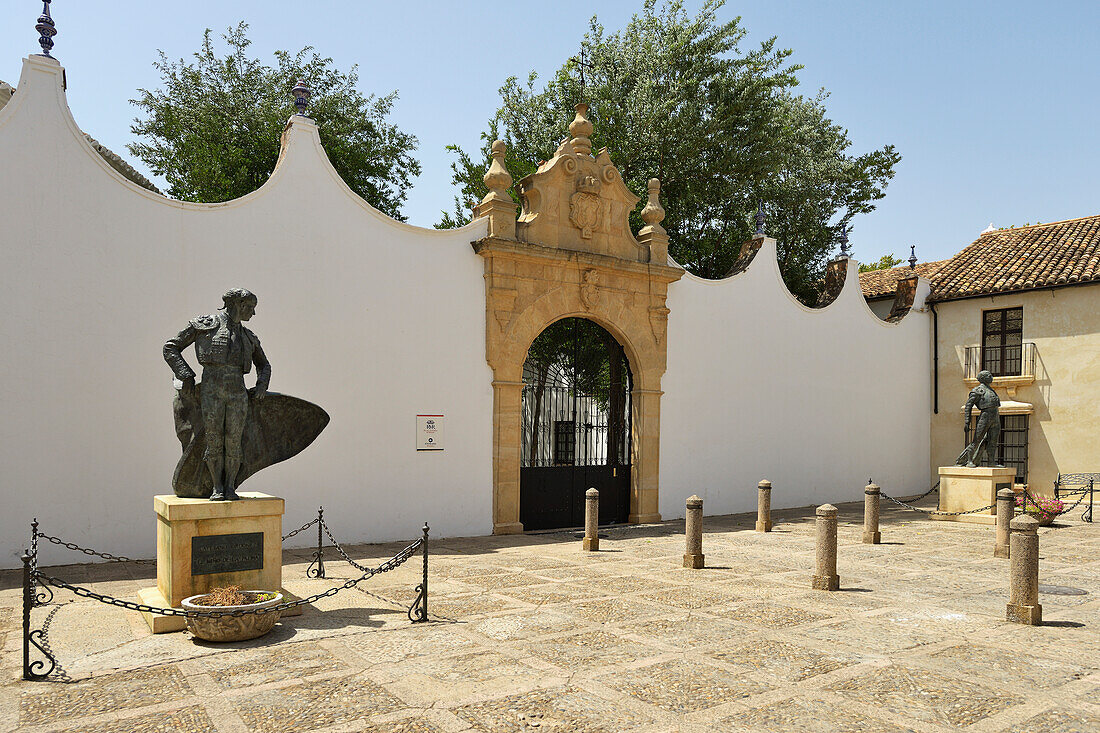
(581, 130)
(653, 235)
(912, 257)
(759, 219)
(497, 178)
(301, 94)
(653, 213)
(46, 29)
(498, 204)
(844, 241)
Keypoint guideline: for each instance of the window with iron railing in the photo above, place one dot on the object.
(1013, 360)
(1002, 341)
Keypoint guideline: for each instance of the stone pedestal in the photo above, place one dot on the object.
(591, 542)
(1023, 573)
(764, 506)
(693, 532)
(964, 488)
(826, 578)
(203, 544)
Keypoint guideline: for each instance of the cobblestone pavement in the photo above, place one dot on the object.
(530, 633)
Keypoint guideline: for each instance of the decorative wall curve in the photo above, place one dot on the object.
(374, 320)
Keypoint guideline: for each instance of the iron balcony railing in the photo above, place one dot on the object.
(1017, 360)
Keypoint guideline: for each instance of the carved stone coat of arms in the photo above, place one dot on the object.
(584, 205)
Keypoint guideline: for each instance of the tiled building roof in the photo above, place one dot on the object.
(1023, 258)
(884, 283)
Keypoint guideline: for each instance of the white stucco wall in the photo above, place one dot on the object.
(374, 320)
(815, 400)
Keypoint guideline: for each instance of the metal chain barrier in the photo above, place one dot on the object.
(90, 552)
(937, 512)
(340, 549)
(1027, 496)
(385, 567)
(304, 527)
(33, 579)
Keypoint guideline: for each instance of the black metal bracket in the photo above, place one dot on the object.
(33, 671)
(43, 594)
(319, 555)
(418, 611)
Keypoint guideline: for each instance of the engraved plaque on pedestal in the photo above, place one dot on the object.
(227, 553)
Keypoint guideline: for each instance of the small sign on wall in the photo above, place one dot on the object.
(429, 432)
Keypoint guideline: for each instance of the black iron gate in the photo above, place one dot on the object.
(576, 426)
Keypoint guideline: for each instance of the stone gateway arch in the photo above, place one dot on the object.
(571, 254)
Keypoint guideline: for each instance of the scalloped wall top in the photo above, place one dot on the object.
(41, 103)
(763, 264)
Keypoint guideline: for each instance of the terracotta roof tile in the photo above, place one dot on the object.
(884, 283)
(1043, 255)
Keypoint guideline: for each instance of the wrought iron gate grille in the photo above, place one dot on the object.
(575, 426)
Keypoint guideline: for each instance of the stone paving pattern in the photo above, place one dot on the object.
(529, 633)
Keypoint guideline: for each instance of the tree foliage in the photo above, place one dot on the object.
(676, 97)
(212, 129)
(883, 263)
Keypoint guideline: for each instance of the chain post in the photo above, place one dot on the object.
(320, 550)
(31, 669)
(418, 611)
(40, 594)
(28, 601)
(424, 604)
(34, 558)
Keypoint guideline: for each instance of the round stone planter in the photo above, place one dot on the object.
(1045, 520)
(232, 628)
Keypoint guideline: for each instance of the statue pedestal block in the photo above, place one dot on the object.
(962, 489)
(203, 544)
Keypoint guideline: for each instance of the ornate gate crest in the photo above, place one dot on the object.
(584, 205)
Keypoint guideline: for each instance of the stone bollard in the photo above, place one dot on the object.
(871, 495)
(1006, 500)
(591, 542)
(693, 555)
(764, 506)
(1023, 572)
(826, 577)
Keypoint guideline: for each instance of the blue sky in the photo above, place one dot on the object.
(993, 105)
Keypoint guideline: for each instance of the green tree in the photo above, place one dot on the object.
(676, 98)
(884, 263)
(212, 129)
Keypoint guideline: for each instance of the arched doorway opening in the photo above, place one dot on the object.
(576, 426)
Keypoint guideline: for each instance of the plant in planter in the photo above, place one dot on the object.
(232, 628)
(1045, 512)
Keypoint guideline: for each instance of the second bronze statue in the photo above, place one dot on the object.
(988, 430)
